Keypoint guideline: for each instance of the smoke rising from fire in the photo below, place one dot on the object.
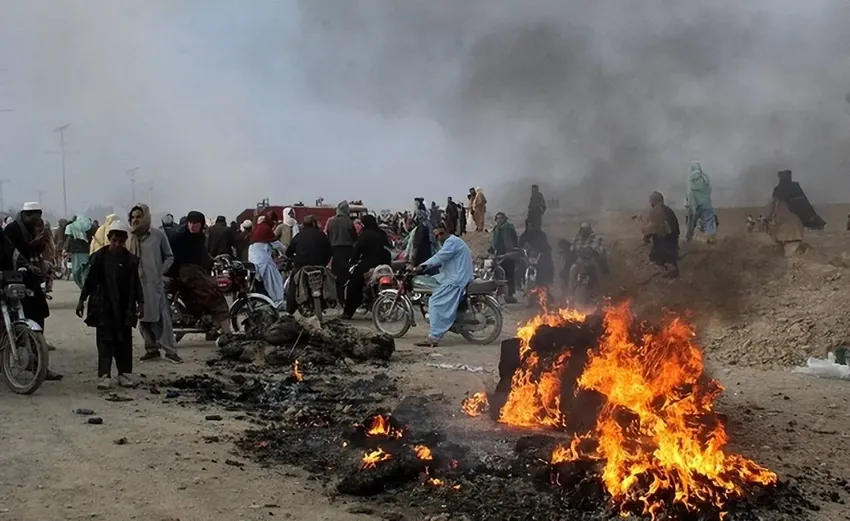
(221, 104)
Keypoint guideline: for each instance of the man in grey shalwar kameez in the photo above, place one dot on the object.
(151, 246)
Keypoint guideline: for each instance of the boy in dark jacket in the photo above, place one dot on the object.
(115, 302)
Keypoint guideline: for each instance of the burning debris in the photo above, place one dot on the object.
(475, 405)
(291, 340)
(296, 372)
(657, 443)
(628, 410)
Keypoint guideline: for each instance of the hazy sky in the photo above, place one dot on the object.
(221, 103)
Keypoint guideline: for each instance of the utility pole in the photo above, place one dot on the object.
(61, 131)
(132, 173)
(2, 200)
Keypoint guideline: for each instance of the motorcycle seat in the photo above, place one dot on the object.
(250, 266)
(481, 287)
(398, 265)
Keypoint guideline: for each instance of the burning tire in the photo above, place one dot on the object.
(390, 307)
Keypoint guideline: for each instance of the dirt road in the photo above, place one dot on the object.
(55, 466)
(174, 464)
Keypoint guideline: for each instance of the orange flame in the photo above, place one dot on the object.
(475, 405)
(371, 459)
(296, 372)
(657, 435)
(535, 400)
(675, 441)
(381, 426)
(423, 453)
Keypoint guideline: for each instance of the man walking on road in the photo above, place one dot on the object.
(151, 246)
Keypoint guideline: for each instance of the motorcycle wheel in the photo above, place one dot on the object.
(484, 308)
(383, 311)
(32, 350)
(260, 311)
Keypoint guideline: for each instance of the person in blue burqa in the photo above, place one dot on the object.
(698, 204)
(455, 262)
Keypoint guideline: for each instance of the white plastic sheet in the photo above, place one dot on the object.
(825, 368)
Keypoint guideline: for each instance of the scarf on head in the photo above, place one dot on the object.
(698, 192)
(138, 231)
(343, 209)
(79, 228)
(290, 221)
(100, 240)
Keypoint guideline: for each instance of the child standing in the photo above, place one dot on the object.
(115, 301)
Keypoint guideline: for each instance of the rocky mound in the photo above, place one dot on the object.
(751, 305)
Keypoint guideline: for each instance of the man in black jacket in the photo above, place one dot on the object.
(371, 250)
(452, 217)
(220, 238)
(21, 236)
(311, 247)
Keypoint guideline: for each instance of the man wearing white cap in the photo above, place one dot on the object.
(116, 301)
(31, 245)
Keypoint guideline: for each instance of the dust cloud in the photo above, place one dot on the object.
(221, 104)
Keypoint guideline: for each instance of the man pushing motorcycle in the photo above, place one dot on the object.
(455, 262)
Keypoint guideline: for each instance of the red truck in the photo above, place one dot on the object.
(322, 213)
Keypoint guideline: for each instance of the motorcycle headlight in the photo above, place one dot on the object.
(16, 291)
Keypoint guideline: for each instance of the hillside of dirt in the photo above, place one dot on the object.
(751, 305)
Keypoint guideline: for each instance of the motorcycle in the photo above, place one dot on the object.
(375, 281)
(22, 343)
(478, 308)
(490, 268)
(316, 286)
(529, 279)
(247, 310)
(587, 277)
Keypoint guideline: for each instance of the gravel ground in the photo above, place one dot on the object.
(173, 464)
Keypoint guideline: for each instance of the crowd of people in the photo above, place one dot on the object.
(123, 266)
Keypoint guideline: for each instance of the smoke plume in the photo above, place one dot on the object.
(221, 104)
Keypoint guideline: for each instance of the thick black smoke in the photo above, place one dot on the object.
(612, 97)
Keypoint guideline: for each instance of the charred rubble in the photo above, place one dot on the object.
(290, 338)
(340, 426)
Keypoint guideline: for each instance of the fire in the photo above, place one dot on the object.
(371, 459)
(423, 453)
(381, 426)
(475, 405)
(296, 372)
(535, 397)
(657, 437)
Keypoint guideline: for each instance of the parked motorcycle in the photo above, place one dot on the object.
(375, 281)
(490, 268)
(247, 310)
(479, 316)
(22, 344)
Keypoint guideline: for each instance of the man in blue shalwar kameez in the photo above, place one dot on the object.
(455, 262)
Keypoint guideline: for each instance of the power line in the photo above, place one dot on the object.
(2, 200)
(61, 131)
